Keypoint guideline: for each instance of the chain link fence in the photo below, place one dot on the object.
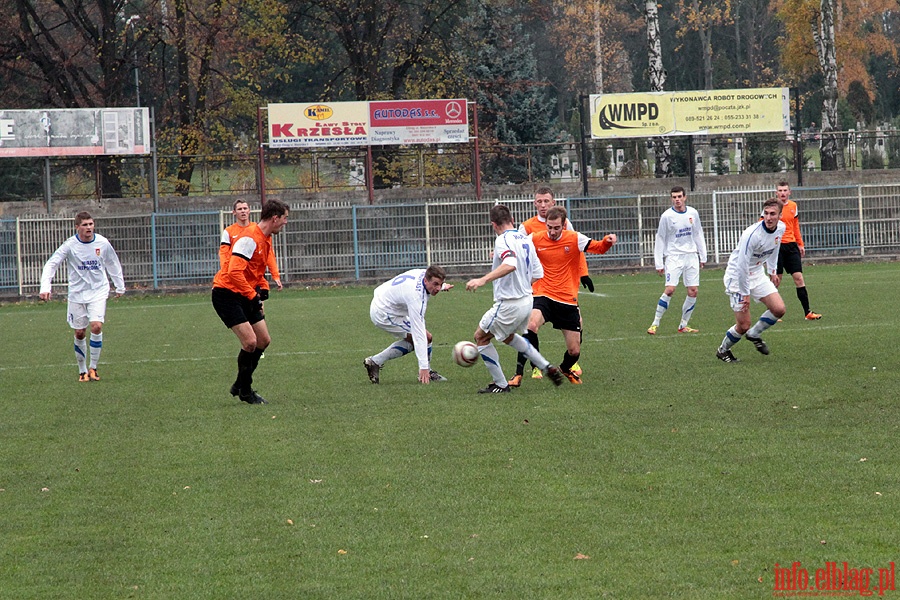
(347, 243)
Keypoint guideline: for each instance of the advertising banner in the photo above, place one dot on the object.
(418, 122)
(708, 112)
(74, 132)
(318, 125)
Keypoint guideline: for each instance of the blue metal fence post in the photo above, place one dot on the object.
(355, 243)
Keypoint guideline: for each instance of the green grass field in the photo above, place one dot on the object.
(667, 474)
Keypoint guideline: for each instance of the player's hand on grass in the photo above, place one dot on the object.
(424, 376)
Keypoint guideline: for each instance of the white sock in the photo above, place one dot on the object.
(661, 307)
(395, 350)
(522, 345)
(96, 346)
(766, 320)
(491, 359)
(732, 337)
(81, 354)
(687, 309)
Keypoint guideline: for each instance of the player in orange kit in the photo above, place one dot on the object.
(544, 200)
(560, 251)
(792, 250)
(238, 294)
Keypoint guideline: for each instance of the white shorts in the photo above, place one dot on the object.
(760, 287)
(507, 317)
(82, 314)
(396, 326)
(686, 266)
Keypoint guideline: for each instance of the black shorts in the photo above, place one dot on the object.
(560, 315)
(234, 309)
(789, 258)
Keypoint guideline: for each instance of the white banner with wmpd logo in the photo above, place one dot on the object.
(707, 112)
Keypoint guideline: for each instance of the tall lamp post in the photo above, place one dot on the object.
(137, 77)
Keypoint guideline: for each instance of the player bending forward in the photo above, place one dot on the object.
(399, 308)
(745, 279)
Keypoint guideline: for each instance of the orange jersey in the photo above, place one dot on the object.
(229, 235)
(561, 260)
(246, 266)
(789, 215)
(535, 224)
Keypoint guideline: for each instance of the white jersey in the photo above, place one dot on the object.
(513, 248)
(756, 248)
(405, 297)
(679, 233)
(89, 264)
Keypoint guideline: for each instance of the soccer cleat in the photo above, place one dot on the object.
(516, 381)
(652, 329)
(572, 377)
(493, 388)
(83, 377)
(92, 375)
(555, 374)
(435, 376)
(372, 368)
(687, 329)
(576, 368)
(536, 373)
(760, 345)
(726, 356)
(235, 389)
(253, 398)
(811, 316)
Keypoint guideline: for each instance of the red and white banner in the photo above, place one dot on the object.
(418, 122)
(391, 122)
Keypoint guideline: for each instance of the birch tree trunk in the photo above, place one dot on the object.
(598, 49)
(832, 148)
(657, 83)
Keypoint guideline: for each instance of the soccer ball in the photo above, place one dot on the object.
(465, 353)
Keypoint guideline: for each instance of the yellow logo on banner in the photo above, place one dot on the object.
(318, 112)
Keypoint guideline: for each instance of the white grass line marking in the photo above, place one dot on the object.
(552, 340)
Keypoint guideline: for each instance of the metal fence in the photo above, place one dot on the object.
(363, 243)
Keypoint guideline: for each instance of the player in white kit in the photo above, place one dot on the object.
(515, 266)
(745, 277)
(679, 253)
(90, 259)
(399, 308)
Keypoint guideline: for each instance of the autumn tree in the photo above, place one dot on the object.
(211, 61)
(591, 34)
(387, 49)
(515, 107)
(657, 75)
(834, 39)
(701, 17)
(68, 54)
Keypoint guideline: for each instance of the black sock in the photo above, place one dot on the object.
(804, 299)
(245, 371)
(568, 361)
